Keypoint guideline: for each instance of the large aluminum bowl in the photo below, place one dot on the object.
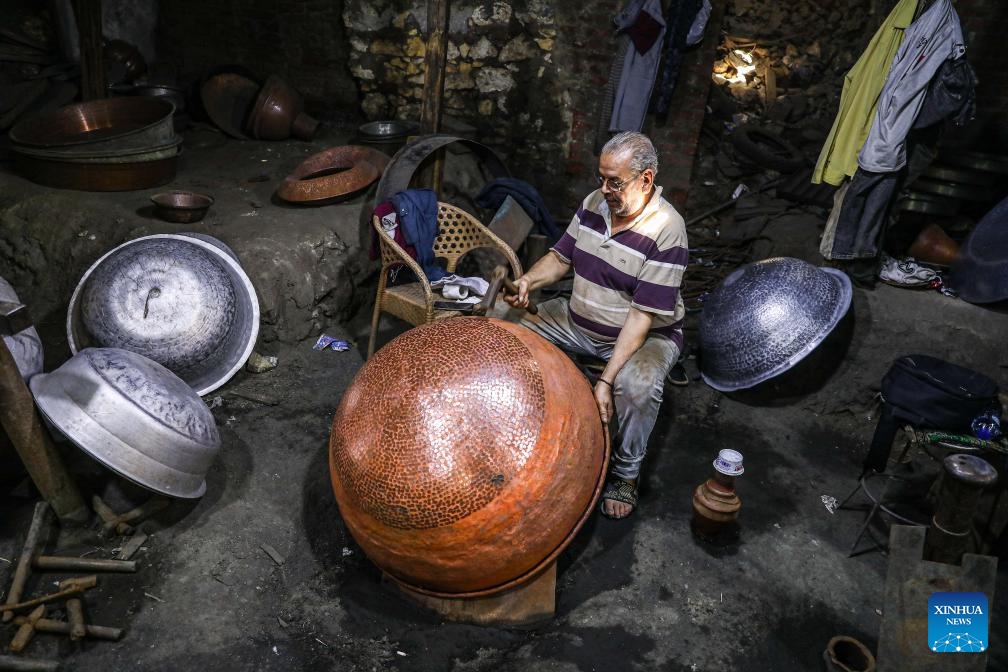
(134, 416)
(182, 300)
(767, 316)
(25, 346)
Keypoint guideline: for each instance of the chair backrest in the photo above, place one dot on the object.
(458, 233)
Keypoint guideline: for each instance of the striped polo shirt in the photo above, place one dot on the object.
(641, 266)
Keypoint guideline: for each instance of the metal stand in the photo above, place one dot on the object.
(879, 503)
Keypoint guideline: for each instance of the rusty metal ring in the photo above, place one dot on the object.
(331, 173)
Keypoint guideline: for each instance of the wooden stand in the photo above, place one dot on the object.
(527, 604)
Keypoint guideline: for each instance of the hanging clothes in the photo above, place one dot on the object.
(684, 22)
(862, 85)
(929, 41)
(643, 23)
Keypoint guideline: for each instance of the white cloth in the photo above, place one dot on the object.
(461, 288)
(934, 37)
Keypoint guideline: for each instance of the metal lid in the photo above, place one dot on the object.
(182, 300)
(767, 316)
(134, 416)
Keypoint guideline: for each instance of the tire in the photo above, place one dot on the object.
(767, 149)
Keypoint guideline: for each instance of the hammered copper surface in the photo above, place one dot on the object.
(465, 453)
(331, 173)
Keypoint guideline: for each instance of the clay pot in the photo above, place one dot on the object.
(934, 246)
(715, 505)
(278, 113)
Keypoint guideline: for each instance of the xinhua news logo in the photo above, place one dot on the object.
(957, 622)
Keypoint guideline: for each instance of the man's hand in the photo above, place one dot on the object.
(604, 399)
(521, 299)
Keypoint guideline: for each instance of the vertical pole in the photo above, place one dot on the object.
(89, 30)
(434, 80)
(21, 422)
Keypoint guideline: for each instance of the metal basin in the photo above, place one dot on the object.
(181, 206)
(181, 300)
(227, 98)
(142, 170)
(110, 124)
(767, 316)
(134, 416)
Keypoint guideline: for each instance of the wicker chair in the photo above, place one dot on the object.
(458, 233)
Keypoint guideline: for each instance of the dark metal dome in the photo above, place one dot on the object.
(767, 316)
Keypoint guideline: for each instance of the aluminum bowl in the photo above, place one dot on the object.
(390, 130)
(182, 300)
(134, 416)
(767, 316)
(25, 346)
(181, 206)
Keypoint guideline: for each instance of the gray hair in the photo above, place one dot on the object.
(639, 146)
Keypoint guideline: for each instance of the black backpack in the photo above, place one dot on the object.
(928, 392)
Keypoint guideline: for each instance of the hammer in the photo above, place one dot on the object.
(499, 279)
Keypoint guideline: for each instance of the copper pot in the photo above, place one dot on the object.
(465, 456)
(278, 113)
(934, 246)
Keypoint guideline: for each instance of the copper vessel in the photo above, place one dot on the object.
(934, 246)
(278, 113)
(331, 173)
(465, 456)
(227, 98)
(715, 505)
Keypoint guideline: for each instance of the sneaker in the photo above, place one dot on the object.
(905, 273)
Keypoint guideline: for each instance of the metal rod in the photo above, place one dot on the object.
(16, 664)
(62, 628)
(56, 563)
(35, 532)
(21, 422)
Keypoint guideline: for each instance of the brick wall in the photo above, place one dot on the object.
(300, 40)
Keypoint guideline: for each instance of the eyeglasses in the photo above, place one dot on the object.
(615, 185)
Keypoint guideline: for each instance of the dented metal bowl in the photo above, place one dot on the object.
(182, 300)
(134, 416)
(767, 316)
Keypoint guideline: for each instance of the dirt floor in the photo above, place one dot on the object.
(639, 594)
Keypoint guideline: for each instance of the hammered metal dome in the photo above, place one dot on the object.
(182, 300)
(767, 316)
(134, 416)
(465, 455)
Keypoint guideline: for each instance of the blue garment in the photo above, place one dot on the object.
(418, 210)
(493, 194)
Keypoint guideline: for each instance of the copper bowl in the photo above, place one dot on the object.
(278, 113)
(181, 206)
(106, 125)
(466, 455)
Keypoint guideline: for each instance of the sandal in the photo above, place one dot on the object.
(619, 490)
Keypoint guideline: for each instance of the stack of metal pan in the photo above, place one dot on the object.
(959, 181)
(116, 144)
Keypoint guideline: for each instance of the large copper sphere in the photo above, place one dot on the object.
(465, 455)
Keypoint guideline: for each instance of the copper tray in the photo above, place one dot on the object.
(114, 176)
(110, 124)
